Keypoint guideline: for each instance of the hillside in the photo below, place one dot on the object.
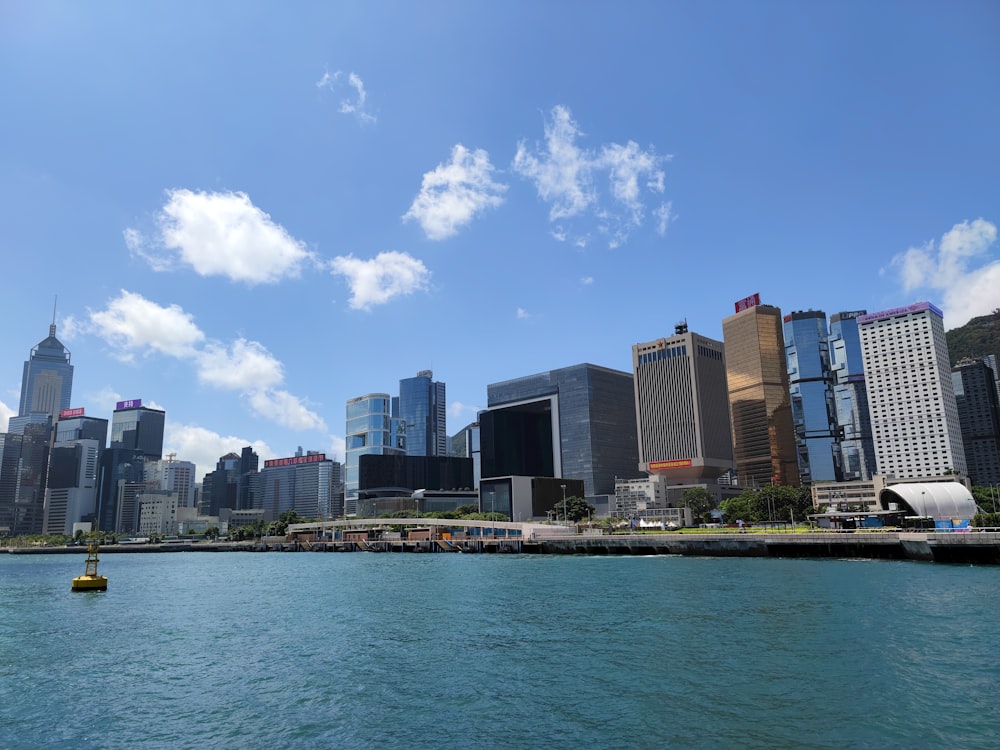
(977, 337)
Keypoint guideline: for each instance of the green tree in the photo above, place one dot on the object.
(738, 508)
(700, 501)
(462, 510)
(212, 532)
(573, 509)
(280, 527)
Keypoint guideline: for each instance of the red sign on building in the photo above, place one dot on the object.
(747, 302)
(678, 463)
(67, 413)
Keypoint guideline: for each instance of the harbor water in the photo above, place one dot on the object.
(242, 650)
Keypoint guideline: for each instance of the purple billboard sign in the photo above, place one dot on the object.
(133, 403)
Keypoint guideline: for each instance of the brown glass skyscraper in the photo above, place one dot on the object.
(756, 372)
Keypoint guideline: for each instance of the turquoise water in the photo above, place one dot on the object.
(234, 650)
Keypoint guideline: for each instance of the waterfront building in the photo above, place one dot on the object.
(911, 394)
(46, 384)
(465, 444)
(856, 449)
(71, 484)
(380, 473)
(372, 429)
(979, 418)
(138, 427)
(576, 422)
(173, 476)
(157, 512)
(423, 408)
(682, 407)
(24, 460)
(759, 399)
(810, 385)
(307, 483)
(220, 487)
(119, 478)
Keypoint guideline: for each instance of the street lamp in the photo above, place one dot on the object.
(493, 517)
(565, 514)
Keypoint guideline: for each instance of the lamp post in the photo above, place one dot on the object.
(565, 514)
(492, 513)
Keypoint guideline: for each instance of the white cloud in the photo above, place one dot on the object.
(242, 366)
(338, 448)
(374, 282)
(131, 324)
(357, 106)
(134, 324)
(565, 176)
(220, 234)
(204, 448)
(587, 280)
(664, 217)
(562, 175)
(453, 194)
(522, 313)
(457, 409)
(5, 414)
(285, 409)
(959, 267)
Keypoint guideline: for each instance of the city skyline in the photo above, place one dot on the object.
(309, 206)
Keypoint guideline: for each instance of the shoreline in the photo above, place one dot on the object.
(975, 548)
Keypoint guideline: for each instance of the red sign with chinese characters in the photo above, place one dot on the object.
(747, 302)
(67, 413)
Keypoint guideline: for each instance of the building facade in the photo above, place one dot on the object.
(810, 385)
(372, 429)
(911, 394)
(759, 400)
(71, 484)
(172, 476)
(856, 448)
(682, 407)
(138, 427)
(576, 422)
(46, 384)
(423, 408)
(306, 483)
(465, 444)
(979, 419)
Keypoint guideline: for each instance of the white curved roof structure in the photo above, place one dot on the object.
(935, 499)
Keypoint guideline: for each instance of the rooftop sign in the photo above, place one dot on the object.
(678, 463)
(897, 311)
(67, 413)
(133, 403)
(747, 302)
(295, 460)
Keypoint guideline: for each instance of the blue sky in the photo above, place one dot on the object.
(252, 213)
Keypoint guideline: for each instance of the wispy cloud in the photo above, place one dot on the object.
(522, 314)
(388, 275)
(458, 410)
(451, 195)
(220, 234)
(960, 267)
(357, 105)
(204, 447)
(5, 414)
(133, 325)
(587, 280)
(566, 176)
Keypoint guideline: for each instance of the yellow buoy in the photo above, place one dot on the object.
(90, 581)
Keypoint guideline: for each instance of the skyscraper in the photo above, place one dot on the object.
(979, 418)
(682, 407)
(856, 457)
(372, 428)
(47, 383)
(759, 402)
(24, 461)
(810, 385)
(910, 391)
(307, 483)
(423, 408)
(138, 427)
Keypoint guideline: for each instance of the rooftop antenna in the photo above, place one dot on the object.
(52, 327)
(681, 327)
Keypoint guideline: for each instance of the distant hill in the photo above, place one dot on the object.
(977, 337)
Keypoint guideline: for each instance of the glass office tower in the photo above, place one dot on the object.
(372, 428)
(46, 384)
(856, 456)
(137, 427)
(979, 417)
(810, 385)
(763, 434)
(423, 409)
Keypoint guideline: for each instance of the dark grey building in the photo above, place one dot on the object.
(979, 418)
(576, 422)
(137, 427)
(412, 473)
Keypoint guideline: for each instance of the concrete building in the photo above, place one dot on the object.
(759, 400)
(174, 476)
(979, 418)
(682, 407)
(576, 422)
(71, 486)
(158, 513)
(306, 483)
(911, 395)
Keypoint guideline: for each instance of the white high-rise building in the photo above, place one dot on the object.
(911, 397)
(172, 475)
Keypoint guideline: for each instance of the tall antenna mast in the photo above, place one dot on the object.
(52, 328)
